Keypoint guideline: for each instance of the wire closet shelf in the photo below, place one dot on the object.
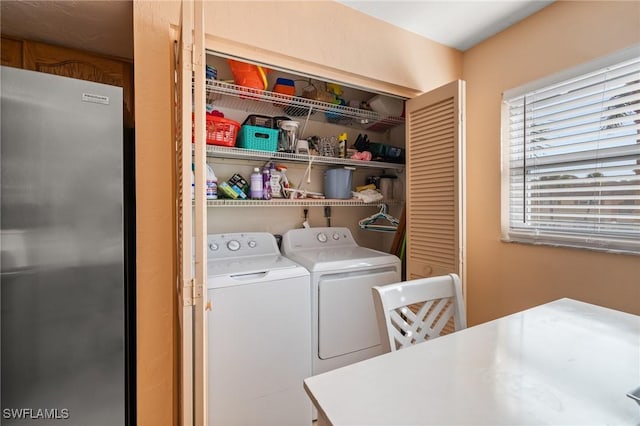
(227, 95)
(306, 202)
(250, 154)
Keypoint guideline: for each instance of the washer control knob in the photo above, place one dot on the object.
(213, 246)
(322, 237)
(233, 245)
(335, 236)
(252, 244)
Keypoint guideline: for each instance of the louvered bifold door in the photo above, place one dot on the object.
(183, 132)
(191, 224)
(435, 183)
(200, 347)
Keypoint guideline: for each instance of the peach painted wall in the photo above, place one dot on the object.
(506, 277)
(332, 40)
(156, 254)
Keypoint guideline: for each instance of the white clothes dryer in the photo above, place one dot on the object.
(344, 326)
(259, 333)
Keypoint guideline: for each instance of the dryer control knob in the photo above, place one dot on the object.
(252, 244)
(336, 236)
(233, 245)
(322, 237)
(213, 247)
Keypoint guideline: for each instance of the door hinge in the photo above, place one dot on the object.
(187, 293)
(197, 291)
(191, 292)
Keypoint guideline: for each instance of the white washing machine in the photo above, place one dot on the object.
(259, 333)
(344, 326)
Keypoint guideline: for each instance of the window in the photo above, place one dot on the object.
(571, 157)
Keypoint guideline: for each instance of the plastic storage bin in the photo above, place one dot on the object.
(220, 131)
(258, 138)
(260, 121)
(387, 106)
(248, 75)
(284, 86)
(383, 152)
(337, 183)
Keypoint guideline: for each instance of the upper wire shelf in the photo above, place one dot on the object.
(229, 95)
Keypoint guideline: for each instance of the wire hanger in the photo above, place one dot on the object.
(370, 223)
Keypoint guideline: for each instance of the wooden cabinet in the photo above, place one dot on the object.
(73, 63)
(85, 66)
(11, 51)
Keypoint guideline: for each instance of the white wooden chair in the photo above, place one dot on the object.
(414, 311)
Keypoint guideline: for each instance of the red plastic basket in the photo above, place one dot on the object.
(221, 131)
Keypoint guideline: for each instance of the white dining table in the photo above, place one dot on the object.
(562, 363)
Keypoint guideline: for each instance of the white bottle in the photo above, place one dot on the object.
(212, 184)
(276, 188)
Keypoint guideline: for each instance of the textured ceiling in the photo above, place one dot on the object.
(454, 23)
(99, 26)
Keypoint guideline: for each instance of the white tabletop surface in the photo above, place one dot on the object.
(562, 363)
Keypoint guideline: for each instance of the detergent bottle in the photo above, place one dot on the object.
(256, 185)
(212, 184)
(266, 183)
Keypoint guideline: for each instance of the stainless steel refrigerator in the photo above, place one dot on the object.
(67, 342)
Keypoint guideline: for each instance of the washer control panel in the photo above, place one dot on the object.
(308, 238)
(241, 244)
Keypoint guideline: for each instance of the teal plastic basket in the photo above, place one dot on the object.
(258, 138)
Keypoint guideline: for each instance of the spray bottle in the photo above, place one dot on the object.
(283, 178)
(342, 145)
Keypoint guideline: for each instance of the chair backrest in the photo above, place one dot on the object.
(413, 311)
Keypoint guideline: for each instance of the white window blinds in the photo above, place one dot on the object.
(572, 156)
